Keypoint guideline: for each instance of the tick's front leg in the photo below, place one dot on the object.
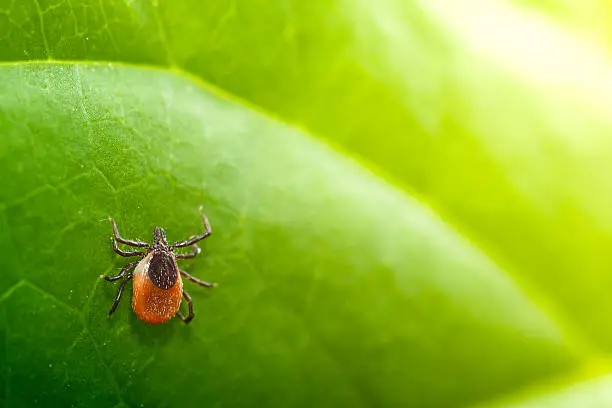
(194, 239)
(138, 244)
(127, 254)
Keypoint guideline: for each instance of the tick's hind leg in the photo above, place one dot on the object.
(190, 308)
(138, 244)
(126, 278)
(196, 238)
(196, 280)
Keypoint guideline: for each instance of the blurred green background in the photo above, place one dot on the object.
(409, 199)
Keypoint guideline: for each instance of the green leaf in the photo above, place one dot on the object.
(404, 213)
(334, 288)
(406, 87)
(591, 393)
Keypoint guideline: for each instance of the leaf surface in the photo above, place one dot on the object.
(373, 244)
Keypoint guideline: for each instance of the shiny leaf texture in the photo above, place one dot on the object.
(406, 211)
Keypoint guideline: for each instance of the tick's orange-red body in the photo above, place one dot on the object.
(150, 303)
(157, 283)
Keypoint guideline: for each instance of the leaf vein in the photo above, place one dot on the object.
(43, 33)
(41, 189)
(7, 293)
(162, 33)
(43, 292)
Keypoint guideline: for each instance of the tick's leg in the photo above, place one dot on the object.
(123, 271)
(194, 239)
(192, 254)
(126, 253)
(138, 244)
(190, 306)
(196, 280)
(119, 293)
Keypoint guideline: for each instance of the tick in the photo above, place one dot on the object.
(157, 283)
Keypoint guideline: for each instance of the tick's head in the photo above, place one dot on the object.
(159, 238)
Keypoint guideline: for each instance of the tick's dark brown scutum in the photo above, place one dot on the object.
(158, 287)
(163, 270)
